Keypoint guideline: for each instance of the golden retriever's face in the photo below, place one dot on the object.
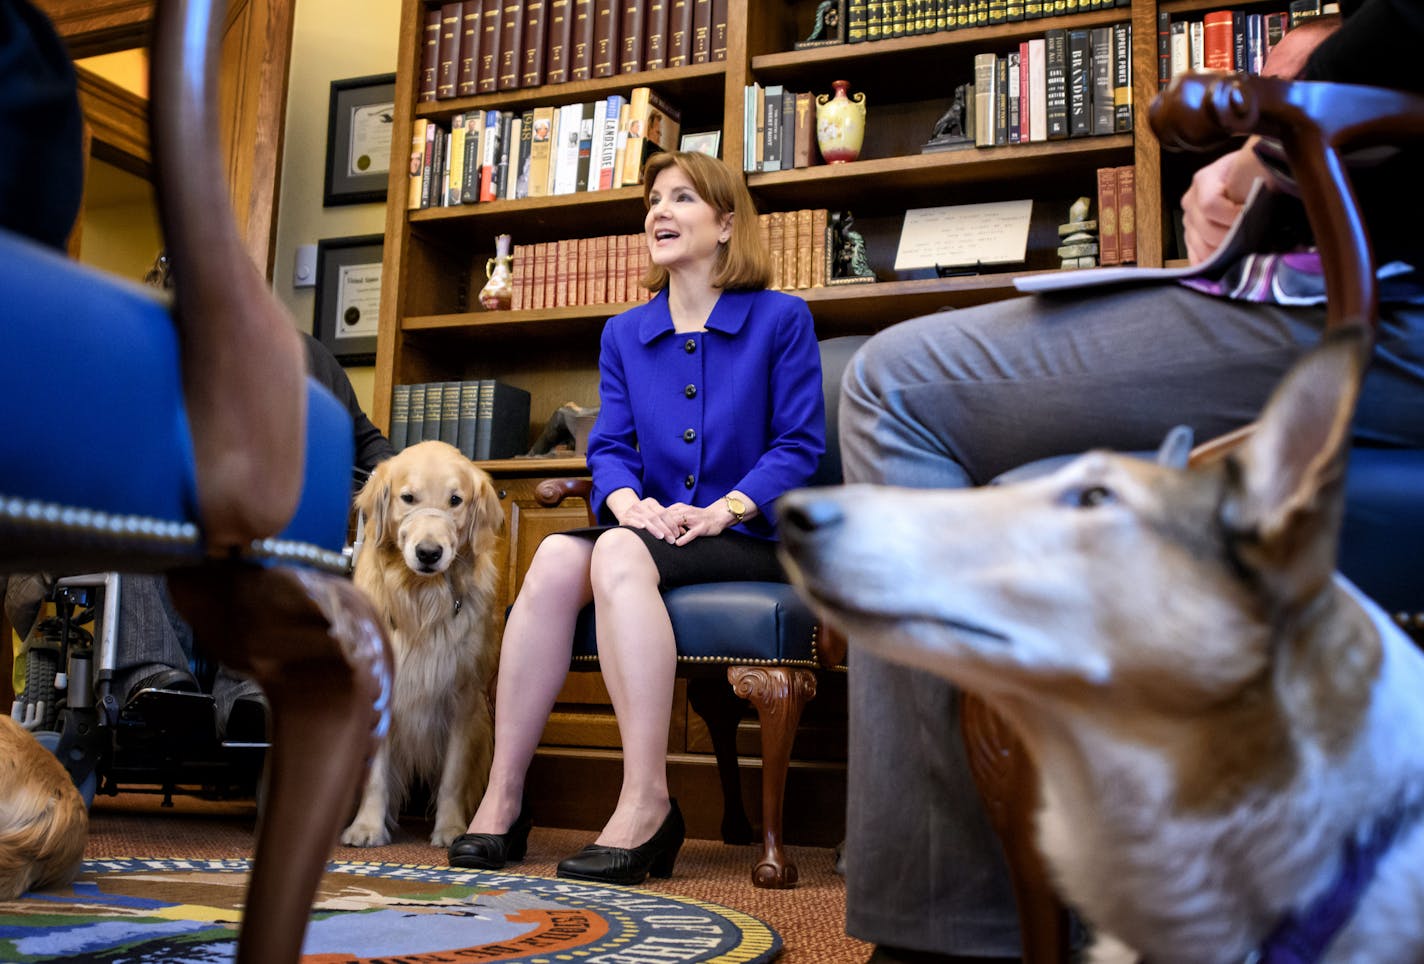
(431, 503)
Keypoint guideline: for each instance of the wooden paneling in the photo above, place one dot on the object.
(118, 123)
(92, 27)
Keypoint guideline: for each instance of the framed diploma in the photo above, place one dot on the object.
(348, 296)
(358, 139)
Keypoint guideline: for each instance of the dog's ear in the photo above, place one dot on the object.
(373, 501)
(485, 510)
(1288, 489)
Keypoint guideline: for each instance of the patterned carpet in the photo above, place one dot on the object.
(810, 918)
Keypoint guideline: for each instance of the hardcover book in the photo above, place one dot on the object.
(487, 73)
(415, 431)
(805, 138)
(1107, 217)
(474, 153)
(653, 125)
(467, 417)
(434, 409)
(984, 90)
(679, 52)
(1101, 68)
(450, 413)
(1038, 89)
(531, 72)
(1122, 78)
(1217, 41)
(655, 35)
(1056, 82)
(465, 85)
(540, 150)
(581, 62)
(631, 37)
(605, 38)
(400, 415)
(1127, 214)
(511, 45)
(560, 44)
(719, 30)
(503, 429)
(701, 31)
(1080, 94)
(771, 133)
(455, 180)
(415, 186)
(430, 55)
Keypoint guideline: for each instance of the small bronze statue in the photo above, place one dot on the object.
(949, 133)
(851, 264)
(828, 26)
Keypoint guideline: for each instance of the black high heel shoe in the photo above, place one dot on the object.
(618, 865)
(491, 851)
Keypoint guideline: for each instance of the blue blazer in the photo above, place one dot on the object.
(690, 417)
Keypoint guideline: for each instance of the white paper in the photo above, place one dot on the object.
(964, 234)
(358, 301)
(370, 148)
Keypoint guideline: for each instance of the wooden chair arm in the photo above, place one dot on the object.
(1315, 124)
(551, 492)
(830, 646)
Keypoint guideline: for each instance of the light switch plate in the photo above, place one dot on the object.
(304, 271)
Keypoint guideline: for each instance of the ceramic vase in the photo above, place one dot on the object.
(498, 292)
(840, 123)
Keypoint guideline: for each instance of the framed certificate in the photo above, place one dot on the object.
(358, 139)
(348, 296)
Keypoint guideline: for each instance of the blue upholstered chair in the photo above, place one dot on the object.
(1382, 531)
(757, 636)
(120, 452)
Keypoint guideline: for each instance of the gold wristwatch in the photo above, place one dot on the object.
(736, 506)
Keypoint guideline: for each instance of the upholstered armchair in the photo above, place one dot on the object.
(1317, 125)
(185, 438)
(760, 638)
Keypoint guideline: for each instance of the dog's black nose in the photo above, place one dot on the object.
(806, 513)
(428, 554)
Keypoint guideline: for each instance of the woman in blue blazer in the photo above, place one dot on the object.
(711, 408)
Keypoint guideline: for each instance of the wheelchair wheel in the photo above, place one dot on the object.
(41, 670)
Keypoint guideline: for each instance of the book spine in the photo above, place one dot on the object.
(631, 37)
(465, 85)
(581, 58)
(1122, 78)
(429, 165)
(804, 142)
(474, 153)
(1015, 103)
(430, 55)
(560, 44)
(1001, 101)
(501, 173)
(1196, 45)
(536, 41)
(1109, 253)
(518, 168)
(679, 48)
(448, 70)
(487, 73)
(400, 416)
(805, 246)
(489, 161)
(1101, 67)
(1164, 49)
(788, 251)
(771, 131)
(450, 413)
(608, 143)
(1080, 94)
(434, 410)
(655, 39)
(719, 30)
(788, 129)
(415, 186)
(819, 222)
(455, 182)
(1181, 54)
(585, 146)
(1037, 90)
(1238, 40)
(415, 432)
(467, 416)
(984, 65)
(701, 31)
(856, 14)
(1216, 41)
(505, 422)
(511, 45)
(605, 38)
(1127, 214)
(1056, 82)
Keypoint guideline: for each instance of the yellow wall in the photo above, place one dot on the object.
(333, 40)
(120, 230)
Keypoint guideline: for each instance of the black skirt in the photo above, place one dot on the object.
(730, 557)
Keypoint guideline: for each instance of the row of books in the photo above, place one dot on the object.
(1117, 215)
(797, 243)
(1224, 40)
(483, 46)
(778, 128)
(504, 155)
(580, 271)
(483, 418)
(1068, 83)
(868, 20)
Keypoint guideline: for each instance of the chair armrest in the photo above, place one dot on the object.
(1315, 124)
(830, 645)
(552, 492)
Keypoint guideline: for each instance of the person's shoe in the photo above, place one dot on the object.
(619, 865)
(179, 680)
(491, 851)
(247, 721)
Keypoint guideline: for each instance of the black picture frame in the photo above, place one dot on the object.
(348, 296)
(358, 103)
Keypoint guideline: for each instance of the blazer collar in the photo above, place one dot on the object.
(728, 315)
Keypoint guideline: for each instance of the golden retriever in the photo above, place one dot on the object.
(43, 823)
(432, 521)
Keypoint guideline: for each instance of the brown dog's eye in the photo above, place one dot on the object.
(407, 498)
(1094, 495)
(455, 500)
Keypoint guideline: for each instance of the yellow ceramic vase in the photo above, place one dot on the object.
(840, 123)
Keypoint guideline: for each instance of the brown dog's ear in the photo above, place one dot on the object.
(485, 510)
(1289, 490)
(373, 501)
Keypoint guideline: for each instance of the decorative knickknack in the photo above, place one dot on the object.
(498, 292)
(840, 123)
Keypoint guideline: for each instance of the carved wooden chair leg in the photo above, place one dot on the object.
(1008, 783)
(779, 693)
(315, 645)
(721, 710)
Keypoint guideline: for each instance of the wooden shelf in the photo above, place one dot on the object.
(545, 322)
(683, 84)
(537, 219)
(562, 465)
(888, 180)
(905, 53)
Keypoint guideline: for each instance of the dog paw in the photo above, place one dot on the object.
(365, 835)
(445, 836)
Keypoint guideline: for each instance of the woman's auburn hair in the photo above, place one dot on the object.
(742, 263)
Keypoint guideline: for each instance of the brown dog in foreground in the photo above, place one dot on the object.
(1229, 736)
(43, 823)
(428, 563)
